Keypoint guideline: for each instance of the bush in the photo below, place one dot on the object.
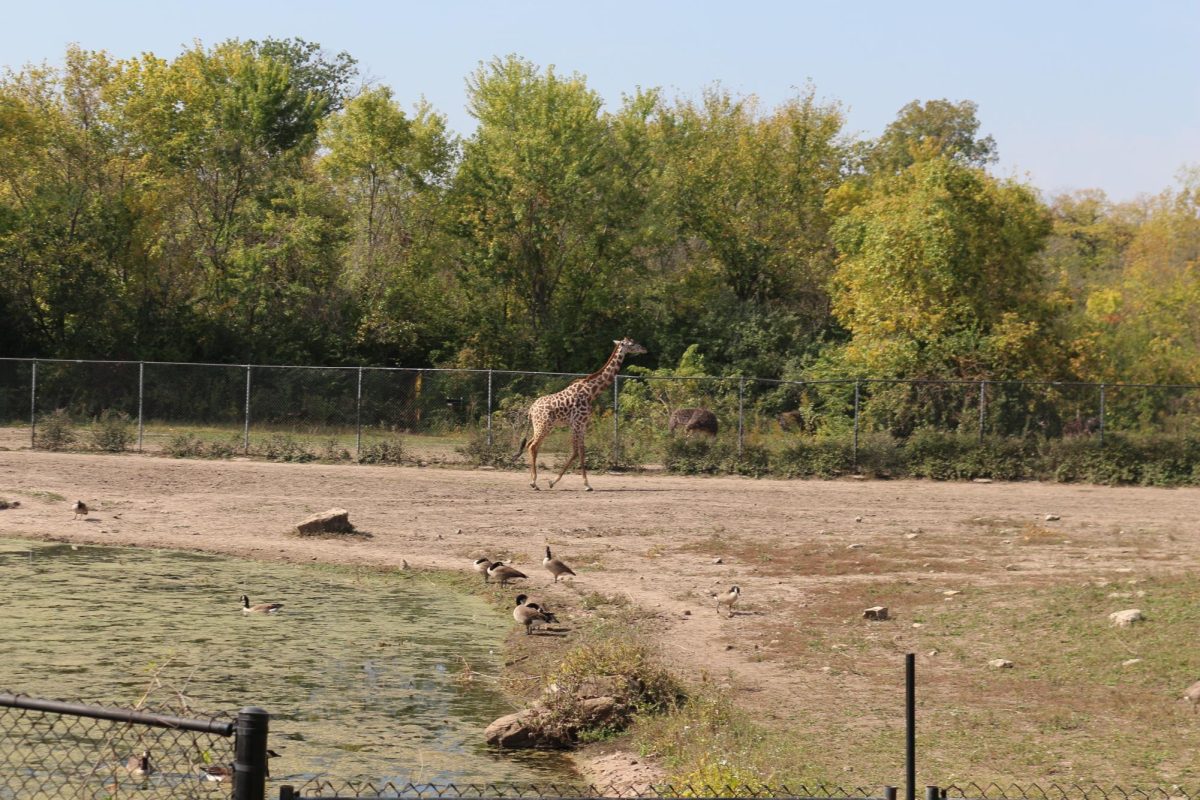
(389, 451)
(111, 432)
(815, 458)
(331, 450)
(189, 445)
(696, 456)
(282, 447)
(55, 431)
(498, 454)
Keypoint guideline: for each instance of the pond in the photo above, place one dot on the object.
(362, 671)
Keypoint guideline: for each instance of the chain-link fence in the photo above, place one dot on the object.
(338, 791)
(426, 416)
(52, 749)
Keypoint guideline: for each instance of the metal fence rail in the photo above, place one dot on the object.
(324, 790)
(459, 415)
(55, 749)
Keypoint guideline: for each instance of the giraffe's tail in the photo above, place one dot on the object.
(521, 449)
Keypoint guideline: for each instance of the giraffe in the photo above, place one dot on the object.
(573, 407)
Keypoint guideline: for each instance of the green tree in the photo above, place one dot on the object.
(542, 207)
(935, 128)
(937, 278)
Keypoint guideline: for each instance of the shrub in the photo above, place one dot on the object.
(498, 454)
(389, 451)
(815, 458)
(695, 456)
(55, 431)
(331, 450)
(189, 445)
(111, 432)
(282, 447)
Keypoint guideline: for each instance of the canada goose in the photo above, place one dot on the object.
(529, 613)
(223, 773)
(556, 567)
(504, 572)
(728, 599)
(1192, 695)
(261, 608)
(139, 766)
(81, 510)
(482, 565)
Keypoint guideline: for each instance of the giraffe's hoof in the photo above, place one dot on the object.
(551, 484)
(587, 488)
(535, 487)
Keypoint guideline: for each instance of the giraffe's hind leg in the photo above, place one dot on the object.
(535, 444)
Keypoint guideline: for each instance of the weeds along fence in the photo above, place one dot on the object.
(377, 414)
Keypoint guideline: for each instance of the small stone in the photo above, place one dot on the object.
(1000, 663)
(855, 546)
(918, 625)
(827, 670)
(1011, 567)
(877, 613)
(858, 519)
(1129, 662)
(728, 647)
(1123, 619)
(951, 592)
(982, 480)
(933, 652)
(687, 612)
(1053, 518)
(718, 561)
(910, 536)
(458, 531)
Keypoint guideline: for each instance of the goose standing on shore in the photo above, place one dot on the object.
(504, 573)
(530, 613)
(482, 565)
(728, 599)
(139, 766)
(555, 566)
(81, 510)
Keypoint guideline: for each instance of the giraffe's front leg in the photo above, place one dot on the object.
(587, 487)
(575, 439)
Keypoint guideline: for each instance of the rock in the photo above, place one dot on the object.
(933, 653)
(687, 612)
(1000, 663)
(910, 536)
(1192, 693)
(9, 504)
(718, 561)
(1123, 619)
(1053, 518)
(858, 519)
(982, 480)
(335, 520)
(951, 592)
(855, 546)
(877, 613)
(1129, 662)
(1011, 567)
(513, 731)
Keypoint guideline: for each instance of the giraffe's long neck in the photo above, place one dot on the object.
(598, 381)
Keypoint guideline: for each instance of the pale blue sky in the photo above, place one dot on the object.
(1078, 94)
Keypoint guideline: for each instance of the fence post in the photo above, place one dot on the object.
(933, 793)
(246, 429)
(1102, 404)
(616, 425)
(856, 382)
(250, 754)
(982, 407)
(33, 406)
(489, 408)
(741, 414)
(358, 418)
(141, 394)
(910, 727)
(889, 793)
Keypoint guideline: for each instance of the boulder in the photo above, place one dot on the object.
(1126, 618)
(335, 520)
(517, 731)
(877, 613)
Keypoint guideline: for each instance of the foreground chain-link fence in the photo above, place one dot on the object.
(52, 749)
(478, 416)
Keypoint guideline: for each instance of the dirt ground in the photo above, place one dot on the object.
(808, 555)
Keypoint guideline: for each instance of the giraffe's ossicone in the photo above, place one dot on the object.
(573, 407)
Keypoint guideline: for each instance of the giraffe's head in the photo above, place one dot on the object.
(628, 347)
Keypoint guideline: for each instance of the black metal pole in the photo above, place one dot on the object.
(932, 793)
(250, 754)
(889, 793)
(910, 726)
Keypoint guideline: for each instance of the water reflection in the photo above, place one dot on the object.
(360, 671)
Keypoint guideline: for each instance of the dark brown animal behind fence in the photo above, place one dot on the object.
(693, 420)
